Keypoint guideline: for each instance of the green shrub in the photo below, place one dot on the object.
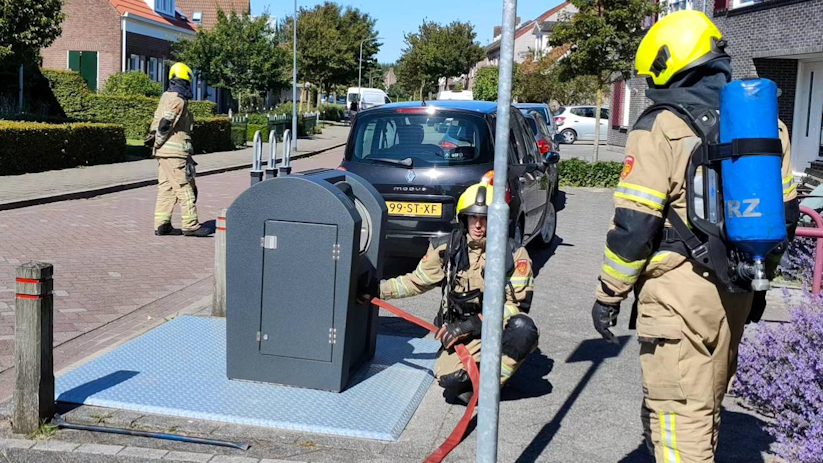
(331, 112)
(252, 128)
(132, 83)
(134, 113)
(580, 173)
(258, 118)
(212, 135)
(69, 88)
(36, 147)
(238, 135)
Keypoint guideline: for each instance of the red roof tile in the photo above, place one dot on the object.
(141, 8)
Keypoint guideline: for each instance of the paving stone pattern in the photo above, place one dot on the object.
(107, 261)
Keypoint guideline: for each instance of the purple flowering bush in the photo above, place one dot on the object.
(780, 374)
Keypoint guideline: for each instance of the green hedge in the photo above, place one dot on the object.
(331, 112)
(580, 173)
(211, 135)
(36, 147)
(238, 135)
(132, 83)
(69, 88)
(134, 113)
(252, 128)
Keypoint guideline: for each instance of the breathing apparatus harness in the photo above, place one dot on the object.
(705, 242)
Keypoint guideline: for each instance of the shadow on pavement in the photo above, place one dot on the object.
(396, 326)
(540, 257)
(530, 379)
(638, 455)
(82, 392)
(743, 438)
(559, 201)
(595, 351)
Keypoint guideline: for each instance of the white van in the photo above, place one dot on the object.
(366, 98)
(462, 95)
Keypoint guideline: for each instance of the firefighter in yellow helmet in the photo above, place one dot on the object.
(455, 263)
(170, 140)
(689, 315)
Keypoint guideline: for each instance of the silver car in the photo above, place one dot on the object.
(577, 123)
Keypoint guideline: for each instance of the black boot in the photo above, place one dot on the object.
(201, 232)
(167, 229)
(457, 387)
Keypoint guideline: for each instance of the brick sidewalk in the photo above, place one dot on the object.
(108, 264)
(15, 189)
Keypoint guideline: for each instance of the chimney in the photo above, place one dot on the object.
(497, 31)
(517, 20)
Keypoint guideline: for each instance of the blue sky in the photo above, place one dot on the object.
(396, 17)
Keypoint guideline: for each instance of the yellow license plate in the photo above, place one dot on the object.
(409, 209)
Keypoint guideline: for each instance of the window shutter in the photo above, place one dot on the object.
(617, 103)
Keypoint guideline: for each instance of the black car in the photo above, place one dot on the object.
(545, 142)
(422, 156)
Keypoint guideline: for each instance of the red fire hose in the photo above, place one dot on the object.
(459, 432)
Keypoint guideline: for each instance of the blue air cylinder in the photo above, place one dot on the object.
(752, 185)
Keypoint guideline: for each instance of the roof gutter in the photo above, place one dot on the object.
(180, 30)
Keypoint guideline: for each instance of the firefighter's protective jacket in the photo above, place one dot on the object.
(654, 175)
(173, 125)
(431, 271)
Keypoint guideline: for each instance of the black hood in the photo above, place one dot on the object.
(182, 87)
(696, 88)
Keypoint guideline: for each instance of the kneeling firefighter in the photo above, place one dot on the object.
(673, 237)
(456, 263)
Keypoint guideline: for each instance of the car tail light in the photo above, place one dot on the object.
(488, 177)
(447, 145)
(342, 168)
(543, 145)
(559, 120)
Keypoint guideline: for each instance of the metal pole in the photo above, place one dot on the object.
(294, 82)
(20, 104)
(360, 69)
(496, 248)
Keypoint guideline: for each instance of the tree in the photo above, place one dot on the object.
(328, 44)
(603, 37)
(240, 53)
(26, 26)
(435, 52)
(542, 80)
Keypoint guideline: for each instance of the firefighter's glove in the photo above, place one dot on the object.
(148, 142)
(453, 332)
(758, 307)
(604, 317)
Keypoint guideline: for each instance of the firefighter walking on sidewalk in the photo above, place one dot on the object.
(170, 139)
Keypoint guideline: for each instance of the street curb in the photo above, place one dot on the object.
(85, 194)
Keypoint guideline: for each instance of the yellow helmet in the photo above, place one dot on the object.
(476, 200)
(180, 71)
(680, 41)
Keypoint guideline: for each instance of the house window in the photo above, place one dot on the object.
(742, 3)
(164, 6)
(135, 63)
(197, 17)
(154, 69)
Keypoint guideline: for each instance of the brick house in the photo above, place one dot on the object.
(781, 40)
(103, 37)
(203, 13)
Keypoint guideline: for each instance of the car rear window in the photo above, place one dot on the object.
(445, 138)
(533, 125)
(559, 110)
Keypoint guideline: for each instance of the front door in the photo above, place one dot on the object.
(807, 141)
(85, 62)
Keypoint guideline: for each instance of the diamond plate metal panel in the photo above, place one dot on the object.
(179, 369)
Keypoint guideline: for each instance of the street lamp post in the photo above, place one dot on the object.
(294, 82)
(360, 65)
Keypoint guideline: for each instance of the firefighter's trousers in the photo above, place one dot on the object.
(689, 331)
(176, 184)
(520, 338)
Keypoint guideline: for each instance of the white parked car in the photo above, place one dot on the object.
(577, 123)
(462, 95)
(365, 98)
